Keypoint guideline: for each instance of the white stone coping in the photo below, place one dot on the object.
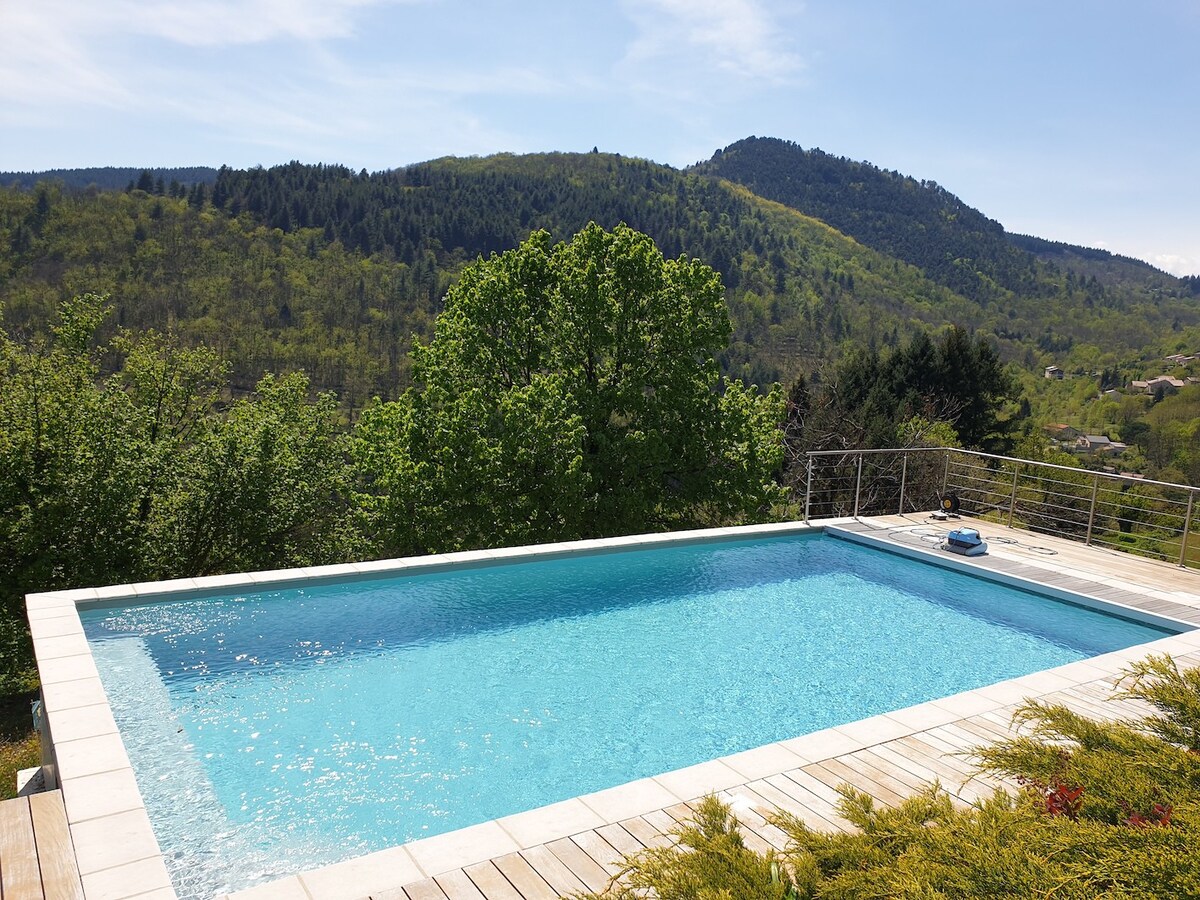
(117, 851)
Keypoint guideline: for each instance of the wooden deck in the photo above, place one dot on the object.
(37, 858)
(577, 845)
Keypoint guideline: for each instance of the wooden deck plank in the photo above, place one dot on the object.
(608, 857)
(956, 745)
(826, 800)
(955, 781)
(948, 743)
(621, 838)
(645, 832)
(457, 885)
(772, 835)
(922, 769)
(805, 779)
(752, 811)
(20, 877)
(906, 782)
(680, 812)
(805, 806)
(390, 894)
(524, 877)
(580, 864)
(428, 889)
(553, 870)
(56, 853)
(835, 774)
(491, 882)
(661, 824)
(950, 769)
(1086, 706)
(976, 732)
(751, 838)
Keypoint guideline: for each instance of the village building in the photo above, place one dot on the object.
(1152, 385)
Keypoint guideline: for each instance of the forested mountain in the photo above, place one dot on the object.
(919, 222)
(322, 268)
(325, 269)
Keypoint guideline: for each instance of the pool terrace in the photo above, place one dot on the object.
(575, 844)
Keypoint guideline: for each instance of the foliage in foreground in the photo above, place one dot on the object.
(1109, 810)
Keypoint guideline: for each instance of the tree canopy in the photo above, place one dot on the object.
(152, 472)
(949, 388)
(571, 390)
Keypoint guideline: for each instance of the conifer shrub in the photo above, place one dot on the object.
(1104, 810)
(707, 859)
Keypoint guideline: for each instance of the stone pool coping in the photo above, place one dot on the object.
(119, 855)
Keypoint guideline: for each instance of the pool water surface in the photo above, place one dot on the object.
(277, 731)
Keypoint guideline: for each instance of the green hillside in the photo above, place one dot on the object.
(919, 222)
(321, 268)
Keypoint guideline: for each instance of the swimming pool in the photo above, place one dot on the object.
(280, 730)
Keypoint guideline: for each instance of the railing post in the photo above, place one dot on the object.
(1187, 526)
(946, 473)
(808, 489)
(858, 484)
(903, 479)
(1092, 511)
(1012, 500)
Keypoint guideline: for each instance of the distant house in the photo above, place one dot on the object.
(1061, 433)
(1152, 385)
(1054, 372)
(1099, 444)
(1180, 359)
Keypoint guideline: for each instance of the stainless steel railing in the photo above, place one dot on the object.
(1136, 515)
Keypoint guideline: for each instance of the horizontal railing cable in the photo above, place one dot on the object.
(1136, 515)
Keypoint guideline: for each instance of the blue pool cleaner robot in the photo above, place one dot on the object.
(965, 542)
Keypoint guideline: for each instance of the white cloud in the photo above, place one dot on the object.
(223, 22)
(738, 37)
(1176, 264)
(85, 51)
(45, 59)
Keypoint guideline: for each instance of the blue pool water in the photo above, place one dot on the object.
(277, 731)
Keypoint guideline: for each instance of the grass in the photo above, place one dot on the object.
(19, 747)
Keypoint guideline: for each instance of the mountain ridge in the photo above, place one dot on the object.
(332, 270)
(120, 177)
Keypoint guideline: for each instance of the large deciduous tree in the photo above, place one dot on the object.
(570, 391)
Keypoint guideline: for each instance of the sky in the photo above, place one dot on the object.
(1073, 120)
